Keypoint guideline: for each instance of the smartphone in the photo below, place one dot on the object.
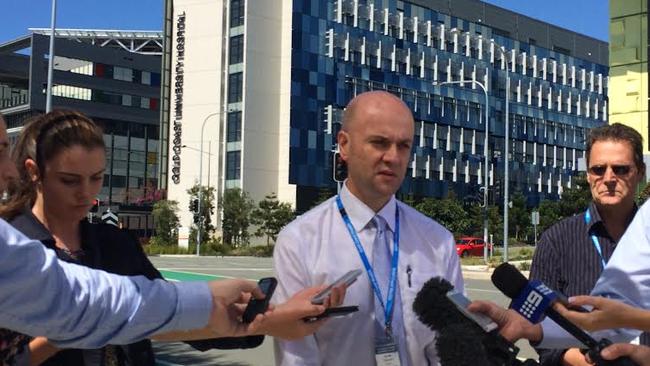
(462, 302)
(346, 279)
(333, 312)
(258, 306)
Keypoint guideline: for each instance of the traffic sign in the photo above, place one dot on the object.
(110, 218)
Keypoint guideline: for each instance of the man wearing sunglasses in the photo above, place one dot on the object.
(572, 253)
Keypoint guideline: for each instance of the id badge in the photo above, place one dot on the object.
(386, 352)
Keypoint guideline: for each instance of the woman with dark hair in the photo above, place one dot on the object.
(61, 161)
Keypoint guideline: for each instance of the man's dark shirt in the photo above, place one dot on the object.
(567, 261)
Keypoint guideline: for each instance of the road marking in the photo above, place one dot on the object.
(215, 269)
(481, 290)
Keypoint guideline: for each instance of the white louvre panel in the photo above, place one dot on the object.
(583, 79)
(544, 69)
(535, 150)
(355, 13)
(462, 72)
(328, 118)
(530, 93)
(539, 96)
(485, 81)
(329, 35)
(544, 147)
(371, 12)
(492, 51)
(363, 51)
(435, 68)
(468, 45)
(428, 33)
(549, 182)
(473, 141)
(480, 47)
(587, 109)
(534, 66)
(519, 91)
(564, 75)
(435, 134)
(573, 159)
(467, 172)
(573, 76)
(513, 60)
(414, 169)
(555, 155)
(564, 155)
(549, 97)
(379, 55)
(491, 174)
(568, 103)
(441, 168)
(600, 84)
(428, 167)
(401, 24)
(346, 47)
(539, 183)
(462, 145)
(415, 29)
(339, 11)
(408, 61)
(596, 105)
(422, 65)
(473, 79)
(524, 58)
(442, 37)
(449, 70)
(605, 110)
(554, 71)
(454, 171)
(578, 106)
(448, 147)
(455, 39)
(591, 81)
(559, 100)
(422, 136)
(386, 21)
(479, 173)
(393, 58)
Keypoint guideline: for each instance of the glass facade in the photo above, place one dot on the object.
(343, 48)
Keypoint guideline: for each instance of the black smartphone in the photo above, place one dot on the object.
(259, 306)
(332, 312)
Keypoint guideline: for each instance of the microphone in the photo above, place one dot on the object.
(461, 340)
(534, 300)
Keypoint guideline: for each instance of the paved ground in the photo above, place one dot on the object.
(184, 268)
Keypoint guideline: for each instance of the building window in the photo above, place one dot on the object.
(235, 85)
(233, 165)
(237, 13)
(122, 73)
(234, 127)
(237, 49)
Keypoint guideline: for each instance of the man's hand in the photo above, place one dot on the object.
(639, 354)
(606, 314)
(574, 357)
(286, 320)
(229, 300)
(512, 326)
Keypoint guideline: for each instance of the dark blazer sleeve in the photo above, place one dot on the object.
(545, 268)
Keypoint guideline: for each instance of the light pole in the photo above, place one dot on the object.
(199, 206)
(486, 163)
(50, 62)
(506, 160)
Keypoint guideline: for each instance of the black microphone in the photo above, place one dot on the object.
(533, 300)
(460, 340)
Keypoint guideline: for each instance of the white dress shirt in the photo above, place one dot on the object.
(316, 249)
(76, 306)
(626, 278)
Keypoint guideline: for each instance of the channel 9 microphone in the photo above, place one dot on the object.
(463, 338)
(534, 300)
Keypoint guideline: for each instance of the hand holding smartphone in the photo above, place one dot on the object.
(332, 312)
(259, 306)
(347, 279)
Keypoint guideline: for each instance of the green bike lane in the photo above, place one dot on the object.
(183, 276)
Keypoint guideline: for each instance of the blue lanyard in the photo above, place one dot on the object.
(390, 300)
(594, 239)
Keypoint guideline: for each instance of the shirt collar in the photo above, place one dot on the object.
(597, 219)
(31, 227)
(360, 214)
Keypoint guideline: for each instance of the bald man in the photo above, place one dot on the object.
(365, 227)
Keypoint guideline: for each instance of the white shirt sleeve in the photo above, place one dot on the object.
(76, 306)
(292, 277)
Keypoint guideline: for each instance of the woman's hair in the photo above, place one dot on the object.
(42, 139)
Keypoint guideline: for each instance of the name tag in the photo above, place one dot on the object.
(386, 352)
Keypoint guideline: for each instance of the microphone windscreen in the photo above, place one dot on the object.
(509, 280)
(432, 306)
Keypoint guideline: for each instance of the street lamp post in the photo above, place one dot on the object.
(506, 161)
(199, 195)
(50, 62)
(486, 162)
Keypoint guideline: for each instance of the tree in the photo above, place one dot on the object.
(573, 201)
(166, 222)
(206, 211)
(271, 216)
(449, 212)
(518, 216)
(236, 206)
(644, 194)
(495, 222)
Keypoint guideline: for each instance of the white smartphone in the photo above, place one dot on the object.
(346, 279)
(462, 303)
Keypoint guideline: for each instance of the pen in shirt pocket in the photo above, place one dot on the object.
(409, 270)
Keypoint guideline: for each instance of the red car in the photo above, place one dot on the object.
(469, 245)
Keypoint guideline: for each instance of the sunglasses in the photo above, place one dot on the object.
(619, 170)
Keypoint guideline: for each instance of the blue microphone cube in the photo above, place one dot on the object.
(533, 301)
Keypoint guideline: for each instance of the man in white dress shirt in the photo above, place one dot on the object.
(365, 227)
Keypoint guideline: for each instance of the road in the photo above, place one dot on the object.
(183, 268)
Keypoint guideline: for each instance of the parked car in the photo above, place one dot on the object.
(470, 245)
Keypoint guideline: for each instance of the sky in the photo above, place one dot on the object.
(590, 17)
